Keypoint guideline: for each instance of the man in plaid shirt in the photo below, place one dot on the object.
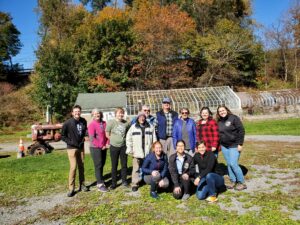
(165, 119)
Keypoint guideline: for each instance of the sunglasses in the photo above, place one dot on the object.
(146, 110)
(184, 113)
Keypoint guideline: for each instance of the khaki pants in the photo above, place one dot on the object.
(168, 147)
(135, 176)
(76, 157)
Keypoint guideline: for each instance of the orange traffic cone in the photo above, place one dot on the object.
(21, 149)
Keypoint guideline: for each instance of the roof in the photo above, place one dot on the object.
(103, 101)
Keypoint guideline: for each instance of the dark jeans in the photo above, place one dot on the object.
(209, 185)
(115, 153)
(185, 188)
(99, 158)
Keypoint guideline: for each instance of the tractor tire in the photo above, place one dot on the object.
(38, 150)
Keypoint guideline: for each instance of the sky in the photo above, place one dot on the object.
(265, 12)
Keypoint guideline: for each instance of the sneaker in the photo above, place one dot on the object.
(102, 188)
(135, 188)
(84, 188)
(71, 193)
(153, 194)
(185, 197)
(231, 185)
(211, 199)
(240, 186)
(113, 186)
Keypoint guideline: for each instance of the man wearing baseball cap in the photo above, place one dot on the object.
(165, 120)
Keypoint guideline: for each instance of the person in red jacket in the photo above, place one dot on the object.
(207, 131)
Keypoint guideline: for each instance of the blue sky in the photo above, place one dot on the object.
(25, 18)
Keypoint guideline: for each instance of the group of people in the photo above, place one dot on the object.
(168, 150)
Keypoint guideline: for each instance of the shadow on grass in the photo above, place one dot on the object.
(222, 169)
(4, 156)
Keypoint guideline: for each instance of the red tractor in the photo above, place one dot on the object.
(42, 135)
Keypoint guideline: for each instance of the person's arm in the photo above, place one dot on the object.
(240, 131)
(129, 141)
(92, 133)
(174, 133)
(64, 133)
(194, 134)
(108, 129)
(215, 134)
(146, 164)
(164, 171)
(173, 172)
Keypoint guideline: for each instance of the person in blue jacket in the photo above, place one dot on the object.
(155, 169)
(165, 121)
(184, 129)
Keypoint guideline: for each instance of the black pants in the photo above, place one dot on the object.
(115, 153)
(99, 158)
(185, 188)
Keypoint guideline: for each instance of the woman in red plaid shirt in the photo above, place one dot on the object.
(207, 130)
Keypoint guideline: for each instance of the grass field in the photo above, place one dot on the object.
(273, 127)
(30, 178)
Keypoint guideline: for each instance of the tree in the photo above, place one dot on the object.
(230, 53)
(97, 5)
(10, 45)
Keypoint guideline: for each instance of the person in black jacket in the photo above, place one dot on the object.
(207, 179)
(232, 135)
(74, 131)
(180, 168)
(155, 169)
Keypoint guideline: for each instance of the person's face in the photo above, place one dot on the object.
(119, 115)
(141, 119)
(222, 112)
(97, 116)
(157, 149)
(204, 114)
(76, 113)
(166, 106)
(146, 111)
(184, 114)
(201, 149)
(180, 148)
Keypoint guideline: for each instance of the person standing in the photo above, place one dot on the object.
(180, 165)
(165, 120)
(155, 169)
(74, 131)
(139, 139)
(185, 129)
(149, 118)
(98, 146)
(232, 135)
(116, 130)
(207, 178)
(207, 131)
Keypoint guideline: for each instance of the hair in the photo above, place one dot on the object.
(146, 106)
(206, 108)
(119, 109)
(96, 110)
(155, 143)
(200, 143)
(225, 107)
(182, 141)
(184, 109)
(76, 107)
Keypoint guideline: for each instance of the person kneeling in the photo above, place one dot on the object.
(207, 179)
(180, 168)
(155, 169)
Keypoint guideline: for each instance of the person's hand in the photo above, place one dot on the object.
(154, 173)
(240, 148)
(161, 183)
(107, 146)
(196, 181)
(185, 176)
(213, 149)
(177, 190)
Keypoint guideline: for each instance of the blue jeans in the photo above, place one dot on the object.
(208, 185)
(232, 156)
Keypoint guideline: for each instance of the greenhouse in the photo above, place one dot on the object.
(192, 98)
